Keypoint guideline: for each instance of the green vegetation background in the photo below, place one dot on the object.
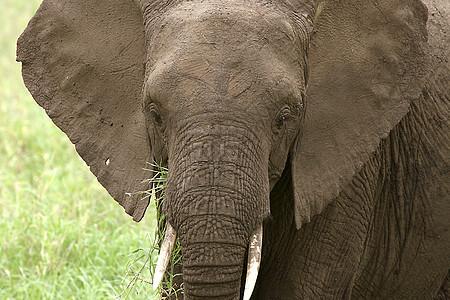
(61, 235)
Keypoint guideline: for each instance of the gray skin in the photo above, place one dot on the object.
(327, 122)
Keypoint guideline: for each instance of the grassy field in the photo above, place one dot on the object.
(61, 235)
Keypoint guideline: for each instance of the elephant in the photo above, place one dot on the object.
(306, 141)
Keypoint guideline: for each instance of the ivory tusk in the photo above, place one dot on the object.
(164, 256)
(254, 261)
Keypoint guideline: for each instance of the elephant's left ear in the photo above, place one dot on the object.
(83, 62)
(365, 65)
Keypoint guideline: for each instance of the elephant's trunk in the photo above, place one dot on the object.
(216, 197)
(212, 262)
(253, 264)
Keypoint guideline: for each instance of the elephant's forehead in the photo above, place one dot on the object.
(228, 49)
(231, 29)
(220, 16)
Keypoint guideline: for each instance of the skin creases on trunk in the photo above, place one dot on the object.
(212, 265)
(216, 196)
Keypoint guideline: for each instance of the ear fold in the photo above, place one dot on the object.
(365, 63)
(83, 62)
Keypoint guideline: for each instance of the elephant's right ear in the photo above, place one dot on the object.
(83, 62)
(365, 65)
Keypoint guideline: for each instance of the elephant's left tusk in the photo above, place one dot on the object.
(254, 261)
(164, 255)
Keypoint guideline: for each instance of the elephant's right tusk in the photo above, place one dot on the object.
(254, 261)
(164, 255)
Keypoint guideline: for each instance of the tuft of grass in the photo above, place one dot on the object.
(142, 266)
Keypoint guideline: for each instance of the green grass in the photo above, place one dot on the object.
(142, 266)
(61, 235)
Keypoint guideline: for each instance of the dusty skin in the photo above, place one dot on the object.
(325, 122)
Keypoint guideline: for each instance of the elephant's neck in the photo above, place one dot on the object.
(414, 160)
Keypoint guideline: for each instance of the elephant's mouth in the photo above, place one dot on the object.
(254, 259)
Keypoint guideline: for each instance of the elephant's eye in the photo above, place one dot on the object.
(283, 116)
(154, 113)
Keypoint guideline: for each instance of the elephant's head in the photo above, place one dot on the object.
(226, 93)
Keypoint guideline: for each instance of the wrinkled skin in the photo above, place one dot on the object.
(327, 122)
